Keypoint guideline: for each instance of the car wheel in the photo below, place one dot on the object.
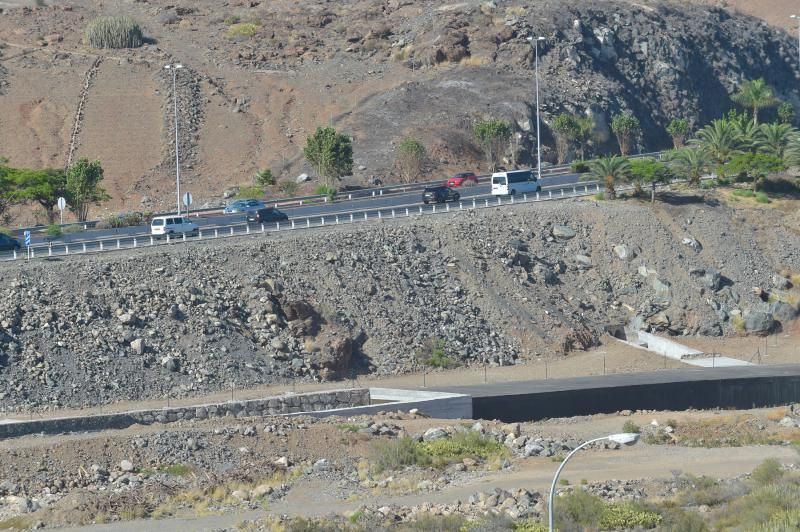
(539, 189)
(513, 192)
(425, 202)
(457, 197)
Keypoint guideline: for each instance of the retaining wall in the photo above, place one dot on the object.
(679, 390)
(269, 406)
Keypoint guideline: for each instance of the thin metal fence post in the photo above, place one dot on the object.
(308, 222)
(101, 245)
(134, 242)
(263, 229)
(216, 233)
(84, 247)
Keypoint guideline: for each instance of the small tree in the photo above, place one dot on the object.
(610, 170)
(755, 95)
(83, 187)
(492, 135)
(786, 113)
(565, 128)
(7, 189)
(649, 170)
(41, 186)
(678, 129)
(265, 178)
(330, 153)
(755, 166)
(626, 127)
(409, 157)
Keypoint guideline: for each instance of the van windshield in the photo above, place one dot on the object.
(499, 180)
(158, 221)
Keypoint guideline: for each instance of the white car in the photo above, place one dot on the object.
(172, 225)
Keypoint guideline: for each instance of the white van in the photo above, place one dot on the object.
(169, 225)
(515, 182)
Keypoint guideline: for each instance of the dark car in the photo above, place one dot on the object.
(268, 214)
(439, 195)
(8, 244)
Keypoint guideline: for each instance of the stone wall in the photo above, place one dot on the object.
(269, 406)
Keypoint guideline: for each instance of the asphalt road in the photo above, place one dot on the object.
(313, 214)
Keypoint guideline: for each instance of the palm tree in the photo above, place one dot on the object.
(584, 133)
(755, 95)
(773, 139)
(692, 163)
(720, 140)
(610, 170)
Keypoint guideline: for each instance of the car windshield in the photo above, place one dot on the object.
(158, 221)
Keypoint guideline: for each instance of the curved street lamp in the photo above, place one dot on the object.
(797, 17)
(625, 438)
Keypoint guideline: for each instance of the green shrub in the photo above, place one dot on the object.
(230, 20)
(434, 523)
(433, 354)
(738, 323)
(631, 427)
(625, 516)
(530, 526)
(265, 178)
(786, 521)
(288, 187)
(72, 229)
(759, 506)
(242, 30)
(470, 444)
(578, 508)
(762, 197)
(326, 190)
(114, 32)
(564, 482)
(579, 167)
(54, 231)
(600, 196)
(743, 193)
(395, 454)
(767, 472)
(250, 193)
(177, 470)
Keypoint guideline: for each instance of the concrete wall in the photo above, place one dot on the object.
(666, 347)
(284, 404)
(742, 393)
(434, 404)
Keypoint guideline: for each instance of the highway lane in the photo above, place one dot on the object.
(299, 212)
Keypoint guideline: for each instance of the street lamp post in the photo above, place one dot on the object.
(175, 67)
(797, 17)
(535, 42)
(625, 438)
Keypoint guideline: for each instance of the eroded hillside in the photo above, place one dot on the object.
(377, 71)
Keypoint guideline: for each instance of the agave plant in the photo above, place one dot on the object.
(114, 32)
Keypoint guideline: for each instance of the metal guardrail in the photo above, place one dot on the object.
(44, 251)
(550, 171)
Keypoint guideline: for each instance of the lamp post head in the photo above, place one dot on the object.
(532, 38)
(794, 16)
(625, 438)
(176, 66)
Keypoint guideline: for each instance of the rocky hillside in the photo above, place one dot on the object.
(501, 286)
(408, 67)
